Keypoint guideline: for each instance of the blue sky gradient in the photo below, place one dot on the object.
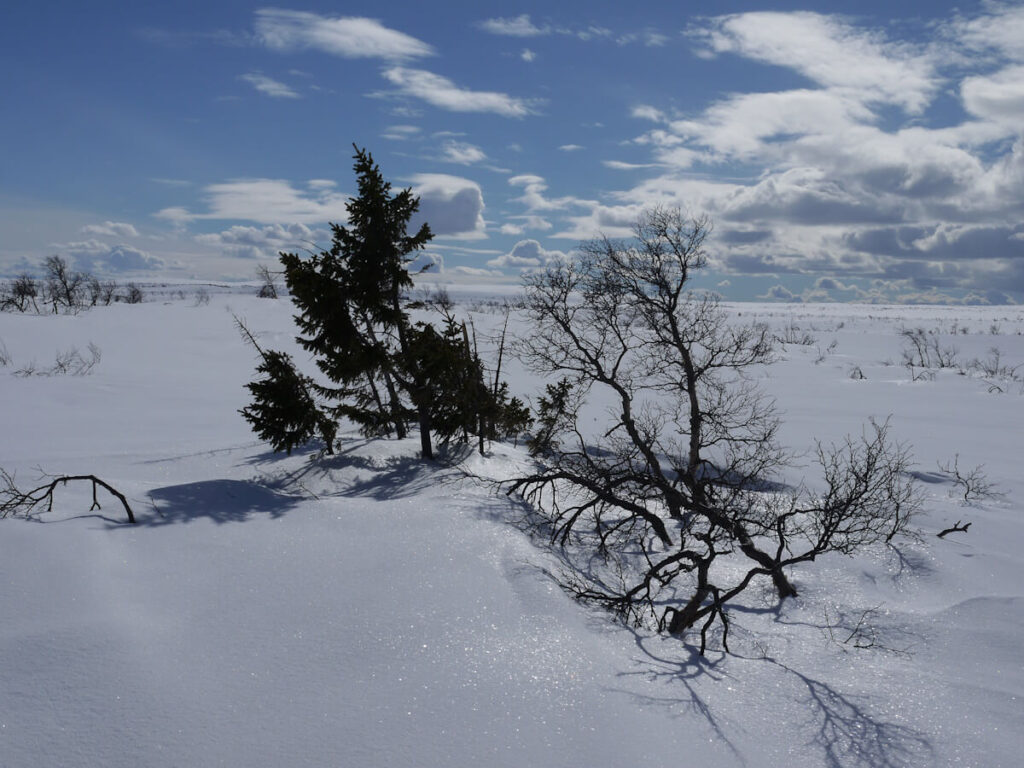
(870, 151)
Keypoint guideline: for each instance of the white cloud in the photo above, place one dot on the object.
(742, 125)
(400, 132)
(1000, 29)
(475, 271)
(269, 86)
(830, 52)
(266, 201)
(462, 153)
(533, 196)
(647, 112)
(524, 223)
(264, 242)
(621, 165)
(998, 97)
(520, 26)
(571, 147)
(525, 254)
(443, 93)
(527, 55)
(452, 205)
(350, 37)
(110, 229)
(99, 257)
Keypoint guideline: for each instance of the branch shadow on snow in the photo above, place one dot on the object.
(841, 726)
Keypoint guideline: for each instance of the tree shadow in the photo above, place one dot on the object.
(848, 734)
(233, 501)
(840, 725)
(222, 501)
(684, 671)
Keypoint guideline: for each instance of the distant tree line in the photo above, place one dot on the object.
(62, 290)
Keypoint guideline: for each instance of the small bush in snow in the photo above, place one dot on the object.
(70, 362)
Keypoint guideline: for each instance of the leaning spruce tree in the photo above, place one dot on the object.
(383, 371)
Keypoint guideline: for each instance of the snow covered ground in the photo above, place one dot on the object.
(367, 609)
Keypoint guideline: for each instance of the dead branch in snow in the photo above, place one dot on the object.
(14, 501)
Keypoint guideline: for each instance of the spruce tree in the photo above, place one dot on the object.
(383, 371)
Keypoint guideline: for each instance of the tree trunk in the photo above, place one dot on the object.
(685, 618)
(425, 446)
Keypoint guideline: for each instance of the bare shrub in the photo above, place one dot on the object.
(994, 367)
(133, 294)
(924, 350)
(972, 485)
(671, 510)
(268, 282)
(20, 295)
(65, 288)
(70, 362)
(792, 334)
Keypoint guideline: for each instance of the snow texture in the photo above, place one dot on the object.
(368, 609)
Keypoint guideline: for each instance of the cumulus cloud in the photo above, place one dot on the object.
(110, 229)
(527, 55)
(779, 293)
(998, 97)
(350, 37)
(103, 258)
(263, 242)
(452, 205)
(525, 254)
(441, 92)
(267, 85)
(999, 29)
(862, 171)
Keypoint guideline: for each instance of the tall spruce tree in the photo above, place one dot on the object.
(384, 371)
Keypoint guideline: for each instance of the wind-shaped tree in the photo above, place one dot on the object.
(384, 370)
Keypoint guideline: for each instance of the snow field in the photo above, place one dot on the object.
(366, 609)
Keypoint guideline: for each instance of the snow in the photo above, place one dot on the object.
(368, 609)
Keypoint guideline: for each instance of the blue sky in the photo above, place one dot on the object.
(848, 151)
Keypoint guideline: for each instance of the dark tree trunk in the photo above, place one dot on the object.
(425, 446)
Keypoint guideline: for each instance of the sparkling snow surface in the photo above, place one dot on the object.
(368, 609)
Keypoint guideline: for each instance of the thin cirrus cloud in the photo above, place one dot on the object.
(350, 37)
(462, 153)
(265, 201)
(441, 92)
(270, 87)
